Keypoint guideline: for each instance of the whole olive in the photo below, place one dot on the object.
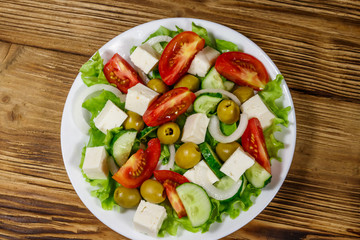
(152, 191)
(168, 133)
(243, 93)
(127, 197)
(228, 111)
(158, 85)
(189, 81)
(225, 150)
(134, 121)
(187, 155)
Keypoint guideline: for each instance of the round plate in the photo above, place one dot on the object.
(73, 140)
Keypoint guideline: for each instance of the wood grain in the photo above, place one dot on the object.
(315, 44)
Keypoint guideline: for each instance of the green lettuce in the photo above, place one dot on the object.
(202, 32)
(272, 144)
(270, 94)
(92, 71)
(226, 46)
(165, 154)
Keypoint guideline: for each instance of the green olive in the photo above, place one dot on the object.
(243, 93)
(168, 133)
(158, 85)
(133, 121)
(127, 197)
(228, 111)
(152, 191)
(189, 81)
(224, 150)
(187, 155)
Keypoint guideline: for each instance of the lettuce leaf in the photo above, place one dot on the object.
(165, 154)
(92, 71)
(163, 31)
(226, 46)
(202, 32)
(272, 144)
(270, 94)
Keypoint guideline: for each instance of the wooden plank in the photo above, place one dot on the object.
(319, 199)
(320, 43)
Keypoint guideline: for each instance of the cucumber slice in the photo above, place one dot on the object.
(258, 176)
(212, 80)
(229, 85)
(196, 202)
(211, 159)
(123, 142)
(207, 103)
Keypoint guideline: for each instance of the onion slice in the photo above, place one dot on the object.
(77, 111)
(214, 192)
(215, 131)
(158, 39)
(224, 92)
(171, 162)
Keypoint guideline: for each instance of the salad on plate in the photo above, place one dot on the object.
(183, 132)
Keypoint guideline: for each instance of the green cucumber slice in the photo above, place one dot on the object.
(212, 80)
(211, 159)
(258, 176)
(123, 142)
(207, 103)
(196, 202)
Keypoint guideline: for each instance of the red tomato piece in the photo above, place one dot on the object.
(140, 166)
(168, 106)
(177, 56)
(253, 142)
(174, 199)
(243, 69)
(119, 72)
(162, 175)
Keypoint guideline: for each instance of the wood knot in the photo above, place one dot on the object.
(5, 99)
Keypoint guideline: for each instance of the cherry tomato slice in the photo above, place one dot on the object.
(140, 166)
(168, 106)
(177, 56)
(119, 72)
(243, 69)
(162, 175)
(174, 199)
(253, 142)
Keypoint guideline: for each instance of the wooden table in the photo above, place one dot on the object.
(315, 44)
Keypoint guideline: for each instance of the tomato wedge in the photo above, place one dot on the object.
(243, 69)
(168, 106)
(140, 166)
(119, 72)
(177, 56)
(253, 142)
(162, 175)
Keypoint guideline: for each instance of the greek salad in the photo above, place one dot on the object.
(183, 132)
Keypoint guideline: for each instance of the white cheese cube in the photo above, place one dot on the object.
(95, 163)
(195, 128)
(203, 61)
(149, 217)
(237, 164)
(255, 107)
(145, 57)
(139, 98)
(201, 170)
(110, 117)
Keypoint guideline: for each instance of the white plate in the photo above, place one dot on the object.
(73, 140)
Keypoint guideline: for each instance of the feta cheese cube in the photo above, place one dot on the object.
(149, 217)
(237, 164)
(110, 117)
(95, 163)
(201, 170)
(145, 57)
(195, 128)
(255, 107)
(203, 61)
(139, 98)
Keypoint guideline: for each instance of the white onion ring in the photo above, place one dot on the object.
(158, 39)
(215, 192)
(112, 165)
(77, 109)
(171, 162)
(224, 92)
(215, 131)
